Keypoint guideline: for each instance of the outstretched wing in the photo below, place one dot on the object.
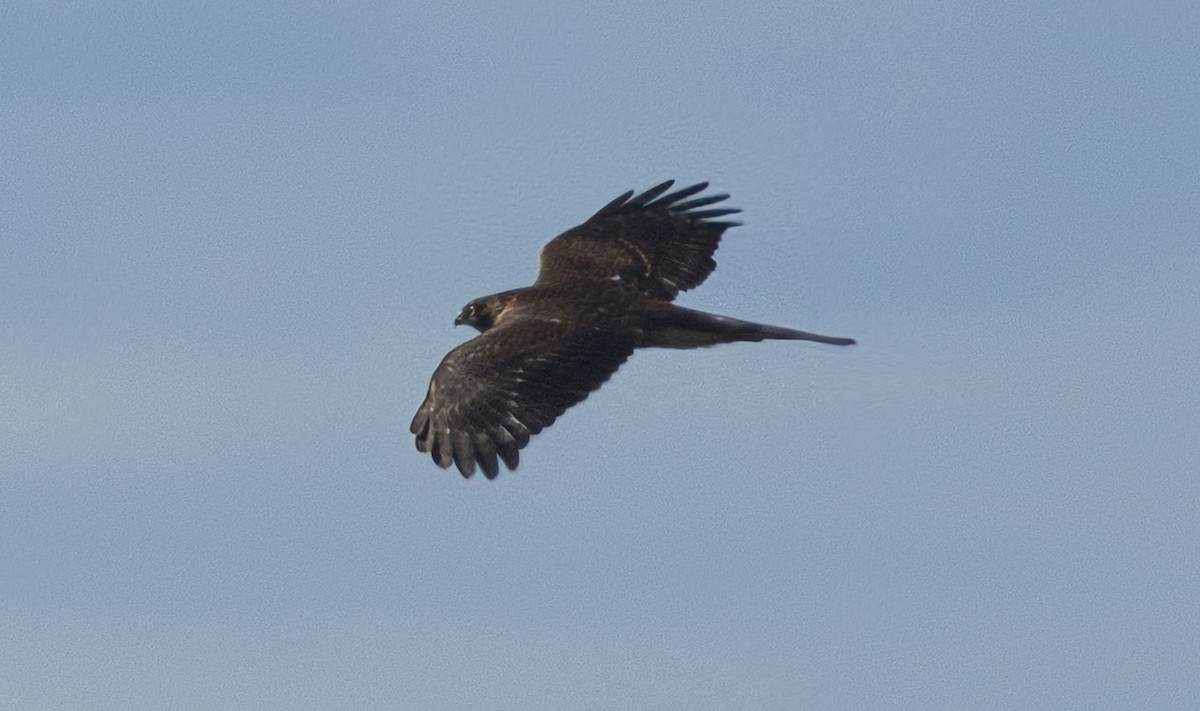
(493, 392)
(662, 245)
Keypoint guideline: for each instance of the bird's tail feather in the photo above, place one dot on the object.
(678, 327)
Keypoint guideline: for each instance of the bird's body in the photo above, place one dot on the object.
(603, 290)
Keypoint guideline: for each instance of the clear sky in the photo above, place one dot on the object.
(233, 237)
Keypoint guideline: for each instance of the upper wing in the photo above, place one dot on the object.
(663, 245)
(491, 393)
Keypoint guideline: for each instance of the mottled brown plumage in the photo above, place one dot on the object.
(604, 288)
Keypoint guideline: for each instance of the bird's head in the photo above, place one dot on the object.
(481, 313)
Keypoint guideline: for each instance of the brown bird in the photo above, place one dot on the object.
(603, 289)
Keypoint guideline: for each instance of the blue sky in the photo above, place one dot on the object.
(233, 240)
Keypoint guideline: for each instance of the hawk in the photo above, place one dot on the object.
(603, 289)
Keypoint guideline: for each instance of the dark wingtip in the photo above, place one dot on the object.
(613, 206)
(672, 198)
(631, 201)
(649, 195)
(792, 334)
(693, 204)
(709, 214)
(466, 467)
(510, 455)
(829, 340)
(419, 421)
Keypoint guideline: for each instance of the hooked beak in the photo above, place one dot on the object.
(458, 320)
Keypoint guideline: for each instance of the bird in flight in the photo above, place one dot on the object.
(604, 289)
